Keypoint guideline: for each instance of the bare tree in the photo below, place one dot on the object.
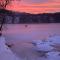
(3, 4)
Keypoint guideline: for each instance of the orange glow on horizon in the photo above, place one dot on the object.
(35, 8)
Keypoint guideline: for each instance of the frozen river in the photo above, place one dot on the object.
(31, 31)
(22, 34)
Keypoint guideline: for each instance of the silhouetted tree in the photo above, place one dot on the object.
(3, 12)
(3, 4)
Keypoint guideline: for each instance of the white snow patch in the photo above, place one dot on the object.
(46, 45)
(42, 46)
(5, 52)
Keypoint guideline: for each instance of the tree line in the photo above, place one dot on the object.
(12, 17)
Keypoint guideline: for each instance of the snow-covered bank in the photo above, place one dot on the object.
(5, 52)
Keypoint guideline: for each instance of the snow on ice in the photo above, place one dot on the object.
(38, 45)
(47, 46)
(42, 46)
(54, 39)
(53, 55)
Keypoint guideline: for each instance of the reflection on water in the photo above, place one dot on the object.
(31, 31)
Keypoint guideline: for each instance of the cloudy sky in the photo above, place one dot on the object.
(35, 6)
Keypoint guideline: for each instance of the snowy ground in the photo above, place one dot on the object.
(5, 51)
(21, 38)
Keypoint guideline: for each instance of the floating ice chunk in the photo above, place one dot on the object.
(42, 46)
(37, 42)
(46, 45)
(54, 39)
(5, 52)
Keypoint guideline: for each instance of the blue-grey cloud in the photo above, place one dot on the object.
(37, 1)
(34, 1)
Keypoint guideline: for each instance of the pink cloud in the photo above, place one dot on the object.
(35, 7)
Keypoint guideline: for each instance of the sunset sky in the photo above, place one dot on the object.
(35, 6)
